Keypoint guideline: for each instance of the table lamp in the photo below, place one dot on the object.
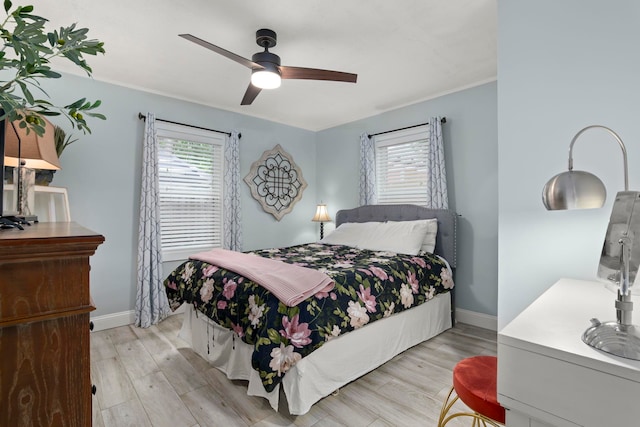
(27, 151)
(620, 257)
(321, 216)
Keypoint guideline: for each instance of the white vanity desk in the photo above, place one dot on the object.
(548, 377)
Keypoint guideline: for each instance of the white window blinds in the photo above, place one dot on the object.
(191, 189)
(402, 166)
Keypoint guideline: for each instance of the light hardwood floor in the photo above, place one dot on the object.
(150, 377)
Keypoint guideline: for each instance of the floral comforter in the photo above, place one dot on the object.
(368, 286)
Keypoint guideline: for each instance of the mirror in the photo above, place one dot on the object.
(620, 250)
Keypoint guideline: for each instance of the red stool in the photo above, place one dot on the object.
(474, 382)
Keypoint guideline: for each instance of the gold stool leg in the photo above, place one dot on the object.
(446, 406)
(477, 418)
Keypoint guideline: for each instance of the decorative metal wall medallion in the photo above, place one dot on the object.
(276, 182)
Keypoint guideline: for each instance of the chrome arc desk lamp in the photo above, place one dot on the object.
(620, 257)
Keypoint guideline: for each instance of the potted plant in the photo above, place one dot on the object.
(25, 58)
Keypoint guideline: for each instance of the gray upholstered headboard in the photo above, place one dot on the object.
(447, 222)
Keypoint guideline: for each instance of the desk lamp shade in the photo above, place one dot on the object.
(574, 190)
(37, 152)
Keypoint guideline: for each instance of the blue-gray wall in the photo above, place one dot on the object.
(562, 65)
(471, 151)
(102, 174)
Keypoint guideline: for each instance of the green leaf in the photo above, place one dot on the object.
(43, 102)
(38, 128)
(26, 92)
(46, 72)
(273, 335)
(97, 116)
(262, 341)
(76, 104)
(7, 5)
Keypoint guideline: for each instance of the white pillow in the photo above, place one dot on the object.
(429, 242)
(351, 233)
(404, 237)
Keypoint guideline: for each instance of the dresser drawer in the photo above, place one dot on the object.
(555, 391)
(43, 288)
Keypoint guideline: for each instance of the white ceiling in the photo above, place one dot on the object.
(404, 51)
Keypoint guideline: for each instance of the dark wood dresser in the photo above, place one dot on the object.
(45, 372)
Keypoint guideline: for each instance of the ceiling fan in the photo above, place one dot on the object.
(266, 71)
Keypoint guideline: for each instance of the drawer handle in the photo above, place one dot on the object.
(91, 326)
(94, 390)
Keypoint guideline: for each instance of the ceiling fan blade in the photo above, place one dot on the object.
(239, 59)
(250, 94)
(316, 74)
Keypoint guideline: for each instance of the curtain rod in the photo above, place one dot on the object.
(143, 117)
(442, 120)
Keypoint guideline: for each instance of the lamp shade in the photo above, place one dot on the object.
(37, 152)
(574, 190)
(321, 214)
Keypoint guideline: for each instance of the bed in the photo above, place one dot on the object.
(236, 333)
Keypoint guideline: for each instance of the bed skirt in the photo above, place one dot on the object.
(328, 368)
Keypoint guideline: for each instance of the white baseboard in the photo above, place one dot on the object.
(480, 320)
(113, 320)
(123, 318)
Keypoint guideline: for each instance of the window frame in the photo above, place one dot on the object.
(166, 130)
(396, 138)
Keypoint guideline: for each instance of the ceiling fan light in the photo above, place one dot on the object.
(265, 79)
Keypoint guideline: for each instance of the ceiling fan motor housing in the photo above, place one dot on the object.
(268, 60)
(266, 38)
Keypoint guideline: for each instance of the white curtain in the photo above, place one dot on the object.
(437, 190)
(151, 300)
(367, 171)
(232, 215)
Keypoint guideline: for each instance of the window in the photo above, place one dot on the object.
(190, 173)
(402, 166)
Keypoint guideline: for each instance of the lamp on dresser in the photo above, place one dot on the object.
(321, 216)
(620, 257)
(26, 151)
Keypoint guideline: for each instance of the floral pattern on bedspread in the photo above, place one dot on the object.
(368, 286)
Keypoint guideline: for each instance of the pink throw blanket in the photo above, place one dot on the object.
(290, 283)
